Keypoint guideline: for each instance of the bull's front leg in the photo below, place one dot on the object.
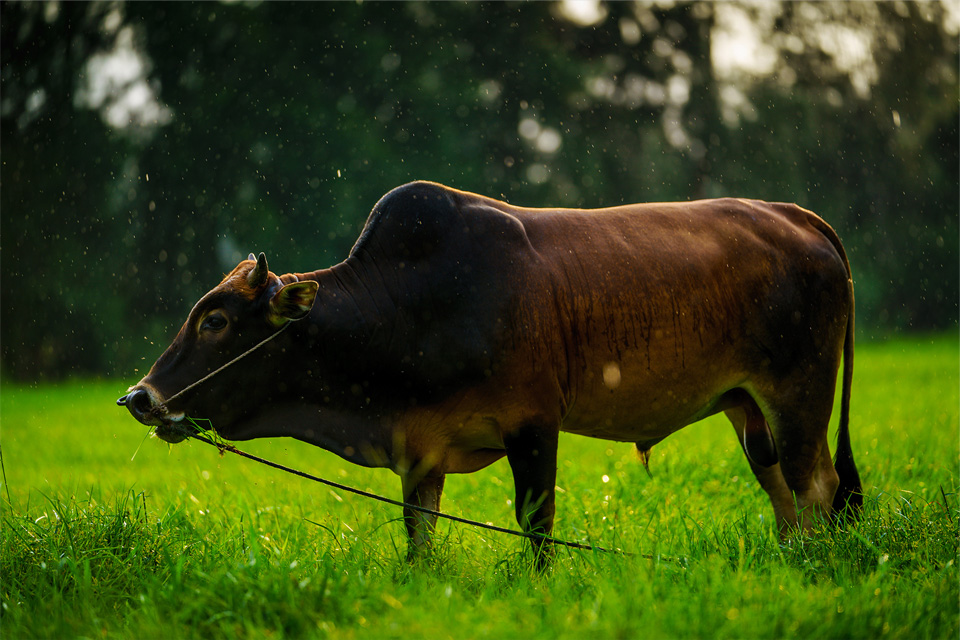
(532, 454)
(424, 492)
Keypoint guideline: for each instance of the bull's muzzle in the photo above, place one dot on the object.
(144, 405)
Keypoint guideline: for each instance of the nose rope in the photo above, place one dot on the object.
(163, 405)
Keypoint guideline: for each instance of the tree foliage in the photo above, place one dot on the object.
(148, 147)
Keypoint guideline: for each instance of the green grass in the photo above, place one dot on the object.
(179, 542)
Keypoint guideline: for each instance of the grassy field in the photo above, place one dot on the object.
(106, 533)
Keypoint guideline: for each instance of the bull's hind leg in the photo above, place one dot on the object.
(755, 438)
(800, 419)
(809, 472)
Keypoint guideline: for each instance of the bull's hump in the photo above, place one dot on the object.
(426, 222)
(409, 219)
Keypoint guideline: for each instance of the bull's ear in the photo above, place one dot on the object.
(292, 302)
(258, 275)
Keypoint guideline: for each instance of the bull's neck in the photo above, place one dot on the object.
(326, 404)
(339, 281)
(343, 338)
(345, 301)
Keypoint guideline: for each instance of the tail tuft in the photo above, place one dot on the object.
(848, 501)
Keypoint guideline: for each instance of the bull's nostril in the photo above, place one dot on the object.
(122, 402)
(141, 402)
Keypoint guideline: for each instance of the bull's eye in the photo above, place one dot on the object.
(214, 322)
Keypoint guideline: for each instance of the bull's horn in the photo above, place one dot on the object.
(258, 275)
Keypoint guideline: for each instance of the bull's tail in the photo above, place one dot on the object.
(848, 501)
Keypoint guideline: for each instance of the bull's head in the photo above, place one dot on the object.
(247, 307)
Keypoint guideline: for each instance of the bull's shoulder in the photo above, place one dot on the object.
(440, 266)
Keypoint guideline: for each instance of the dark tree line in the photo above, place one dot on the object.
(147, 147)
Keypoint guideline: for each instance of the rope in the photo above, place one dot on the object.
(521, 534)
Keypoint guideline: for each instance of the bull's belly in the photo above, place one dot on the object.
(632, 423)
(626, 401)
(632, 404)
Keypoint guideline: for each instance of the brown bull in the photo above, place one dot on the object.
(461, 329)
